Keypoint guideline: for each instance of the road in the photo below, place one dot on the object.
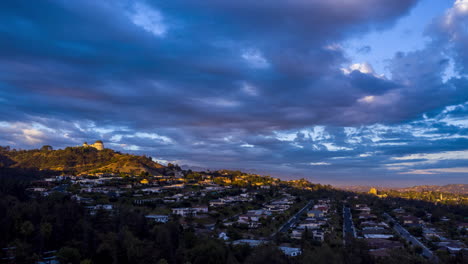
(349, 232)
(408, 237)
(293, 219)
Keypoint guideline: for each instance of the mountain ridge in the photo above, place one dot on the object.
(455, 188)
(78, 160)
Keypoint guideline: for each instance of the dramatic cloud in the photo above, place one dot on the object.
(263, 85)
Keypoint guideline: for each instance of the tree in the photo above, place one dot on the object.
(416, 231)
(208, 252)
(68, 255)
(27, 228)
(46, 148)
(266, 254)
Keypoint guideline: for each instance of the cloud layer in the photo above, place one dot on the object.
(244, 84)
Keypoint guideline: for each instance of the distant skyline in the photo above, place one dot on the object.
(364, 92)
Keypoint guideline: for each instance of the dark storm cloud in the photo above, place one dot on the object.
(87, 60)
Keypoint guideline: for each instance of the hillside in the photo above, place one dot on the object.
(77, 160)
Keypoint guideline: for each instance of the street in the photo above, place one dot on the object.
(410, 238)
(349, 231)
(293, 219)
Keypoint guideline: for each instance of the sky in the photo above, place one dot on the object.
(356, 92)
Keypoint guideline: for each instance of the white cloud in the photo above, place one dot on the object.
(247, 146)
(130, 147)
(460, 8)
(367, 99)
(334, 47)
(316, 134)
(285, 136)
(361, 67)
(218, 102)
(33, 136)
(447, 155)
(149, 19)
(364, 67)
(297, 145)
(319, 163)
(116, 138)
(153, 136)
(438, 171)
(249, 89)
(333, 147)
(255, 58)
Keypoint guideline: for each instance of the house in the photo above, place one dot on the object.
(321, 207)
(158, 218)
(251, 221)
(151, 190)
(145, 201)
(277, 207)
(373, 228)
(252, 217)
(37, 189)
(107, 207)
(184, 212)
(364, 209)
(93, 209)
(261, 213)
(430, 233)
(367, 216)
(217, 202)
(200, 209)
(318, 235)
(144, 181)
(291, 251)
(82, 199)
(373, 224)
(223, 236)
(370, 233)
(462, 226)
(452, 246)
(410, 220)
(309, 224)
(399, 210)
(297, 233)
(314, 213)
(174, 186)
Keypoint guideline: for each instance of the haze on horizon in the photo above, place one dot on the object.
(343, 92)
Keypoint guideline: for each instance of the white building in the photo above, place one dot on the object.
(158, 218)
(290, 251)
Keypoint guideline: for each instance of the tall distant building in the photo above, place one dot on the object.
(373, 191)
(99, 145)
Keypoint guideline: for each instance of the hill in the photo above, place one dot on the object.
(77, 160)
(449, 188)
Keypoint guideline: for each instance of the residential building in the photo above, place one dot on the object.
(291, 251)
(158, 218)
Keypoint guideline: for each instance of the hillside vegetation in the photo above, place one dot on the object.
(77, 160)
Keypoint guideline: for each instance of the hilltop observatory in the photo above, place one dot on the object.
(99, 145)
